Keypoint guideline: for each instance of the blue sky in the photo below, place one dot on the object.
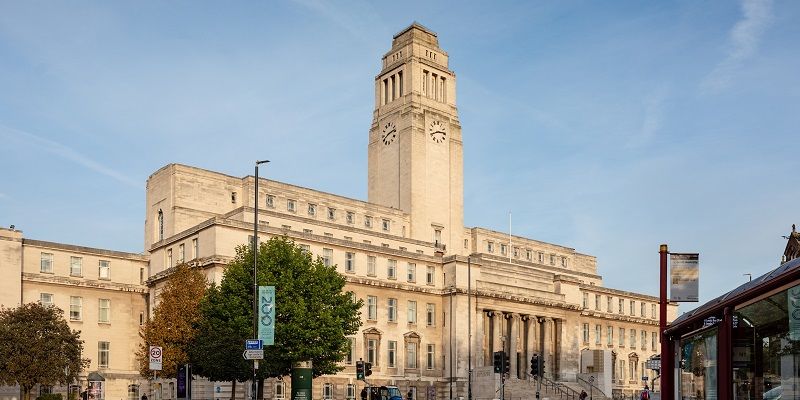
(610, 127)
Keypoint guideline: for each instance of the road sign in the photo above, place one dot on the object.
(654, 364)
(645, 379)
(253, 354)
(155, 358)
(253, 344)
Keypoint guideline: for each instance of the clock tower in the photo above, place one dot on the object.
(415, 148)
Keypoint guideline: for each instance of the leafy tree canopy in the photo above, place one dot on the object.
(173, 324)
(38, 347)
(313, 315)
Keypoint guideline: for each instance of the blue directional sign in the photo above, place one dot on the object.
(253, 344)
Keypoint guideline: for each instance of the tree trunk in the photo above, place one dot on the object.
(26, 393)
(260, 392)
(233, 389)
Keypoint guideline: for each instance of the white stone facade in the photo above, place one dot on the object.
(435, 291)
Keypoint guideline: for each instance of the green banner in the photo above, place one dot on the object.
(302, 373)
(266, 315)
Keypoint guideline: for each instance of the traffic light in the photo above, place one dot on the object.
(498, 357)
(541, 366)
(360, 370)
(367, 369)
(506, 363)
(535, 365)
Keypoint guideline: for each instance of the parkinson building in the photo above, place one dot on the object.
(439, 297)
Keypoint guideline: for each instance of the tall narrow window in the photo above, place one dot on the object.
(391, 269)
(46, 299)
(327, 257)
(431, 357)
(169, 254)
(270, 201)
(385, 91)
(633, 307)
(394, 88)
(412, 312)
(103, 350)
(653, 311)
(430, 314)
(76, 266)
(610, 336)
(104, 269)
(585, 333)
(349, 261)
(392, 359)
(351, 348)
(597, 302)
(181, 253)
(411, 355)
(400, 83)
(609, 303)
(75, 308)
(633, 338)
(104, 311)
(372, 351)
(429, 275)
(424, 83)
(351, 391)
(622, 337)
(598, 332)
(327, 391)
(160, 225)
(372, 308)
(46, 263)
(280, 390)
(644, 340)
(370, 265)
(391, 310)
(411, 272)
(434, 91)
(194, 249)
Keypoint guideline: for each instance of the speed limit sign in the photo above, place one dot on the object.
(155, 358)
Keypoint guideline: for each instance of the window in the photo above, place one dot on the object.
(181, 254)
(350, 217)
(633, 338)
(552, 259)
(76, 266)
(490, 247)
(653, 340)
(622, 337)
(429, 275)
(644, 340)
(372, 351)
(516, 252)
(370, 265)
(327, 257)
(621, 306)
(104, 311)
(233, 197)
(270, 201)
(503, 249)
(653, 311)
(431, 357)
(391, 310)
(597, 302)
(169, 253)
(598, 333)
(372, 308)
(412, 312)
(385, 224)
(585, 300)
(585, 333)
(46, 263)
(564, 262)
(392, 359)
(541, 258)
(331, 214)
(312, 209)
(391, 269)
(102, 354)
(351, 391)
(529, 255)
(291, 205)
(46, 299)
(349, 261)
(75, 308)
(306, 248)
(160, 225)
(430, 314)
(327, 391)
(609, 303)
(633, 307)
(643, 310)
(280, 390)
(351, 348)
(411, 355)
(194, 249)
(141, 318)
(368, 221)
(610, 336)
(411, 272)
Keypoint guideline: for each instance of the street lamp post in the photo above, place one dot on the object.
(255, 276)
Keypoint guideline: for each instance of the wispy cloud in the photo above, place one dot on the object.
(68, 154)
(744, 40)
(653, 117)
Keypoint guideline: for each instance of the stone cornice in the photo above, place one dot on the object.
(84, 283)
(84, 250)
(618, 317)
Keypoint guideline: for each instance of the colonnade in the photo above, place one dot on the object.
(520, 336)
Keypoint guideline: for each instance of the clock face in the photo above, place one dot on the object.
(388, 133)
(438, 131)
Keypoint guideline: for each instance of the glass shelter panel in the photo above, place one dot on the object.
(698, 366)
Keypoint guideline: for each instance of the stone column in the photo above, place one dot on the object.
(479, 355)
(497, 334)
(547, 338)
(513, 319)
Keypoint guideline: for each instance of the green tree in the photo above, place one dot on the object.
(313, 314)
(38, 347)
(173, 324)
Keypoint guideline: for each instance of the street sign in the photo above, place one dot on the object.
(253, 354)
(654, 364)
(252, 344)
(155, 358)
(645, 379)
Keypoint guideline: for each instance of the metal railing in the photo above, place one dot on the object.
(563, 392)
(592, 387)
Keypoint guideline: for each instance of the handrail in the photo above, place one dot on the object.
(592, 385)
(564, 392)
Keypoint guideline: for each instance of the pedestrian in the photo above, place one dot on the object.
(144, 396)
(583, 395)
(645, 393)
